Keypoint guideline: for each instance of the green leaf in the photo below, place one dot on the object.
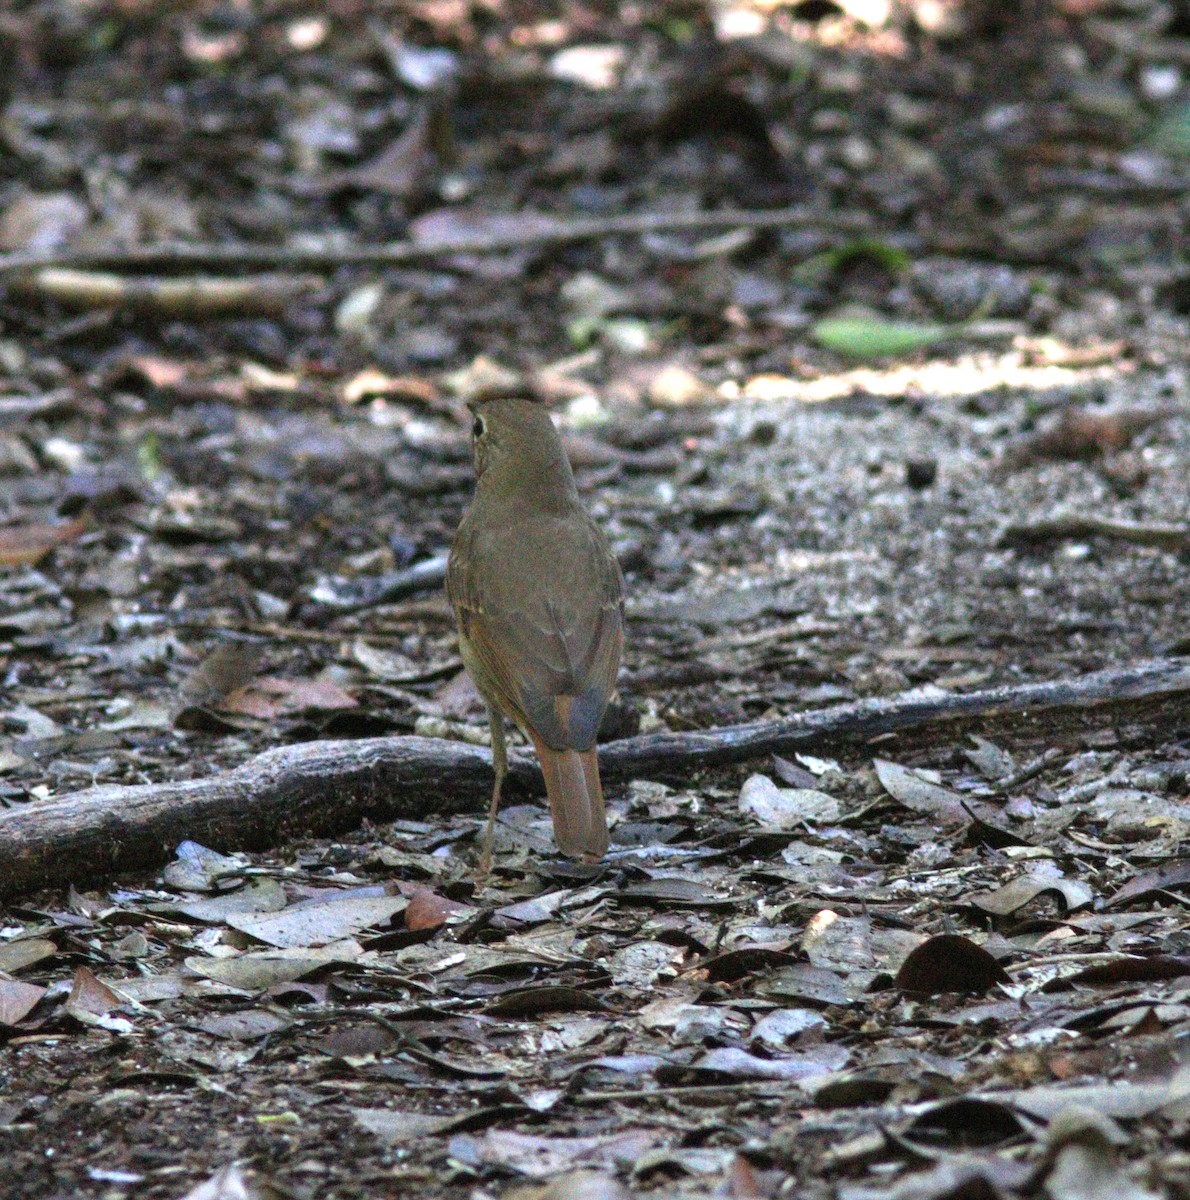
(877, 337)
(148, 457)
(892, 258)
(860, 333)
(582, 331)
(817, 267)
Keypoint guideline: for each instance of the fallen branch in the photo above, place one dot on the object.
(1175, 538)
(194, 298)
(536, 229)
(329, 787)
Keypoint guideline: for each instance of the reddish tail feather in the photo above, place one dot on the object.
(576, 800)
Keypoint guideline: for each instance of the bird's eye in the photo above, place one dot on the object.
(478, 427)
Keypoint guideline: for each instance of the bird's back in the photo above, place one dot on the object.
(539, 599)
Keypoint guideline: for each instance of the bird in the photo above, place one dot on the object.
(539, 600)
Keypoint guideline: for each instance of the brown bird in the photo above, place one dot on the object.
(539, 599)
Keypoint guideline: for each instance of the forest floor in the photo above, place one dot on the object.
(189, 500)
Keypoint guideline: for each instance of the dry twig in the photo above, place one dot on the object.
(1175, 538)
(535, 230)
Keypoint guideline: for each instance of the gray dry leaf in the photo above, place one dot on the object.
(848, 944)
(90, 997)
(16, 956)
(247, 1026)
(992, 761)
(807, 984)
(541, 1157)
(994, 1177)
(921, 795)
(1119, 1100)
(786, 808)
(1092, 1173)
(228, 1183)
(149, 988)
(256, 896)
(196, 868)
(42, 221)
(1013, 896)
(395, 1127)
(823, 1059)
(574, 1185)
(318, 924)
(781, 1026)
(260, 971)
(1085, 1165)
(641, 963)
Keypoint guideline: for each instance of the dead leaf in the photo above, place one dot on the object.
(734, 965)
(395, 1127)
(960, 1177)
(922, 796)
(29, 544)
(531, 1002)
(228, 1183)
(16, 956)
(247, 1026)
(38, 222)
(574, 1185)
(90, 996)
(1085, 1165)
(18, 1000)
(268, 697)
(303, 925)
(783, 1025)
(642, 963)
(197, 868)
(540, 1157)
(157, 372)
(260, 971)
(257, 896)
(1126, 969)
(786, 808)
(739, 1064)
(1119, 1099)
(410, 389)
(964, 1122)
(1172, 876)
(1023, 890)
(671, 891)
(400, 168)
(949, 962)
(806, 984)
(428, 910)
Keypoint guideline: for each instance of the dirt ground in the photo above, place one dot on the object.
(952, 965)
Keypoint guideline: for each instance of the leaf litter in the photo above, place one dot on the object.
(939, 968)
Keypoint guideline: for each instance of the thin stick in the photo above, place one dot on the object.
(1173, 538)
(522, 232)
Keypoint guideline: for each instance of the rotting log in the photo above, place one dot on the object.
(324, 788)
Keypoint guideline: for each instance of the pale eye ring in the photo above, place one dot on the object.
(478, 427)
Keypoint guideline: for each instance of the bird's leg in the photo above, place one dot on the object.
(500, 763)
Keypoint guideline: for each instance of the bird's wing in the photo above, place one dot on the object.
(541, 610)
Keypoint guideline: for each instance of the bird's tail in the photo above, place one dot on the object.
(576, 800)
